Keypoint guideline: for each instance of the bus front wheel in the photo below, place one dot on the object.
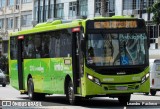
(124, 99)
(70, 93)
(4, 85)
(153, 92)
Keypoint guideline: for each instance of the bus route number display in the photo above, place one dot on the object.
(115, 24)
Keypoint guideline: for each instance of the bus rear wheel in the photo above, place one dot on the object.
(124, 99)
(31, 94)
(70, 93)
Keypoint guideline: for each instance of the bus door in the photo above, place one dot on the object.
(20, 62)
(76, 58)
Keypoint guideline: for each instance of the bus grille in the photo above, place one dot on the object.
(128, 87)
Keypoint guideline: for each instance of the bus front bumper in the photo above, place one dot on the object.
(105, 89)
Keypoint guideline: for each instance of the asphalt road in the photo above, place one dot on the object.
(12, 97)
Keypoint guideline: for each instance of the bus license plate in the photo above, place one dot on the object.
(121, 88)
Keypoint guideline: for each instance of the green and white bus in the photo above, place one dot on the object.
(98, 57)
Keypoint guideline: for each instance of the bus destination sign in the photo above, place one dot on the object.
(115, 24)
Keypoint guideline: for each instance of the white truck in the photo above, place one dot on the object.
(155, 77)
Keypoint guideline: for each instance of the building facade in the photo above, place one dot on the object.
(18, 15)
(72, 9)
(15, 15)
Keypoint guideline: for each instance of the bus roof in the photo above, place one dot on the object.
(60, 24)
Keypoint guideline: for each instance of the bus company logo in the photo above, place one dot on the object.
(121, 73)
(6, 103)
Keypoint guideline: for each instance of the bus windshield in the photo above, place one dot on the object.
(115, 49)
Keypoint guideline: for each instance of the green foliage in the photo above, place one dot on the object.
(155, 9)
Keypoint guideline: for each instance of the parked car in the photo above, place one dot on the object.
(155, 77)
(2, 78)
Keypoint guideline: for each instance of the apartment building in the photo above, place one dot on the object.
(15, 15)
(72, 9)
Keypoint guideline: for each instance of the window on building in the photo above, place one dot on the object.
(59, 10)
(145, 4)
(10, 2)
(135, 4)
(127, 5)
(72, 9)
(36, 10)
(16, 22)
(2, 3)
(41, 11)
(150, 2)
(110, 7)
(46, 10)
(1, 23)
(9, 23)
(26, 20)
(17, 2)
(153, 35)
(51, 8)
(83, 6)
(26, 1)
(98, 6)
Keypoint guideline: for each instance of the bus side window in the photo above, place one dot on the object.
(13, 47)
(45, 50)
(91, 52)
(28, 47)
(45, 46)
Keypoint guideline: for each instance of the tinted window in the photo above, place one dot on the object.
(60, 44)
(29, 48)
(13, 48)
(50, 44)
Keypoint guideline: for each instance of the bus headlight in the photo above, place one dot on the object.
(144, 78)
(94, 79)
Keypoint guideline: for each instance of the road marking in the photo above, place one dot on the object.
(125, 107)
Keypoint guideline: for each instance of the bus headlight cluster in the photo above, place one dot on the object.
(144, 78)
(94, 79)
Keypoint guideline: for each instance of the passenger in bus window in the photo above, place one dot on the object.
(45, 51)
(91, 52)
(30, 49)
(90, 55)
(38, 52)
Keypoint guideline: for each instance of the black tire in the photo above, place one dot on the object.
(31, 94)
(153, 92)
(4, 85)
(147, 93)
(123, 100)
(70, 93)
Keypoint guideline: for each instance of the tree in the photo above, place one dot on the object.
(155, 9)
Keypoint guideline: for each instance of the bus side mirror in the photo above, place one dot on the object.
(83, 45)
